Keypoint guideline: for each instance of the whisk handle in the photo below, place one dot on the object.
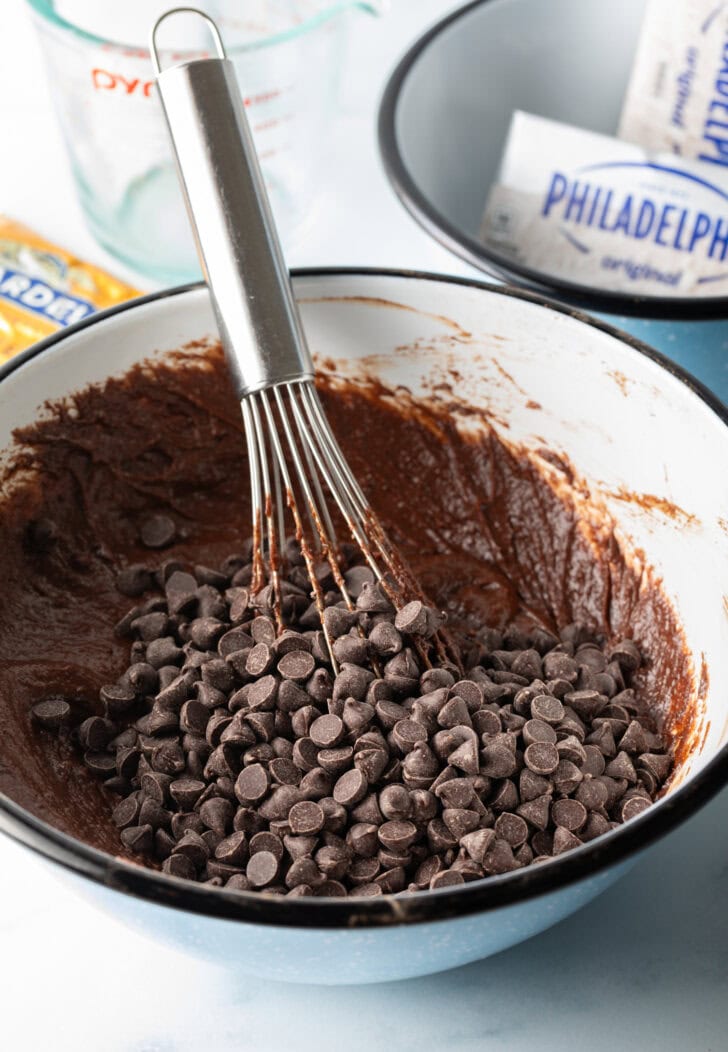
(231, 217)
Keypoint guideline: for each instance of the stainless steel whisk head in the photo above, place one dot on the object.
(295, 460)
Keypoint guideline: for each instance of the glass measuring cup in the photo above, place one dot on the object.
(287, 55)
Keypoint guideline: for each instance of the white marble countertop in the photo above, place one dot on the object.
(645, 966)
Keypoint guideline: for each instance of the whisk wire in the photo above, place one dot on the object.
(325, 435)
(321, 446)
(305, 438)
(369, 529)
(320, 512)
(319, 516)
(267, 506)
(256, 497)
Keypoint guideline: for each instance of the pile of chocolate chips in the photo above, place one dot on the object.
(241, 760)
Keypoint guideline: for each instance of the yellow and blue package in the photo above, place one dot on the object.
(44, 288)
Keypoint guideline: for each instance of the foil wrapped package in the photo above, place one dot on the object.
(44, 288)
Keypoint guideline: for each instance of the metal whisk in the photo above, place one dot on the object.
(294, 457)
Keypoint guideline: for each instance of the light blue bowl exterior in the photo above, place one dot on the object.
(341, 956)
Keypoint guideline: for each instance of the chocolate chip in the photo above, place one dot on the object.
(306, 818)
(499, 858)
(101, 763)
(143, 678)
(363, 839)
(570, 748)
(186, 791)
(126, 812)
(560, 666)
(536, 811)
(536, 730)
(465, 757)
(262, 869)
(541, 758)
(621, 767)
(446, 878)
(570, 814)
(233, 850)
(151, 626)
(156, 785)
(456, 792)
(168, 758)
(384, 640)
(52, 713)
(252, 784)
(351, 648)
(460, 820)
(297, 665)
(327, 731)
(548, 709)
(407, 733)
(454, 713)
(394, 802)
(279, 803)
(350, 788)
(134, 580)
(356, 578)
(163, 652)
(373, 600)
(512, 828)
(117, 698)
(352, 682)
(217, 814)
(412, 619)
(564, 840)
(566, 777)
(627, 655)
(158, 531)
(633, 807)
(151, 812)
(586, 703)
(330, 889)
(397, 835)
(658, 765)
(368, 810)
(497, 761)
(139, 839)
(179, 866)
(259, 660)
(478, 843)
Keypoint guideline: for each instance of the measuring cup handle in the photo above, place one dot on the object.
(235, 232)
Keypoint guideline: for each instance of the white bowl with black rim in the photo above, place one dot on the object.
(443, 124)
(566, 391)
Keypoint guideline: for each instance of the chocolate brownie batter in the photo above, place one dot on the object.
(496, 536)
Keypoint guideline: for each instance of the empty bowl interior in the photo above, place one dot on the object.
(624, 439)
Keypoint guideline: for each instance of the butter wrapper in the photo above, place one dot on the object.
(677, 98)
(44, 288)
(596, 211)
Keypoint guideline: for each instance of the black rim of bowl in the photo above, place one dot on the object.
(477, 897)
(494, 263)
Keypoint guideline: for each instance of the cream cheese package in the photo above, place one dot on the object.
(593, 210)
(677, 99)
